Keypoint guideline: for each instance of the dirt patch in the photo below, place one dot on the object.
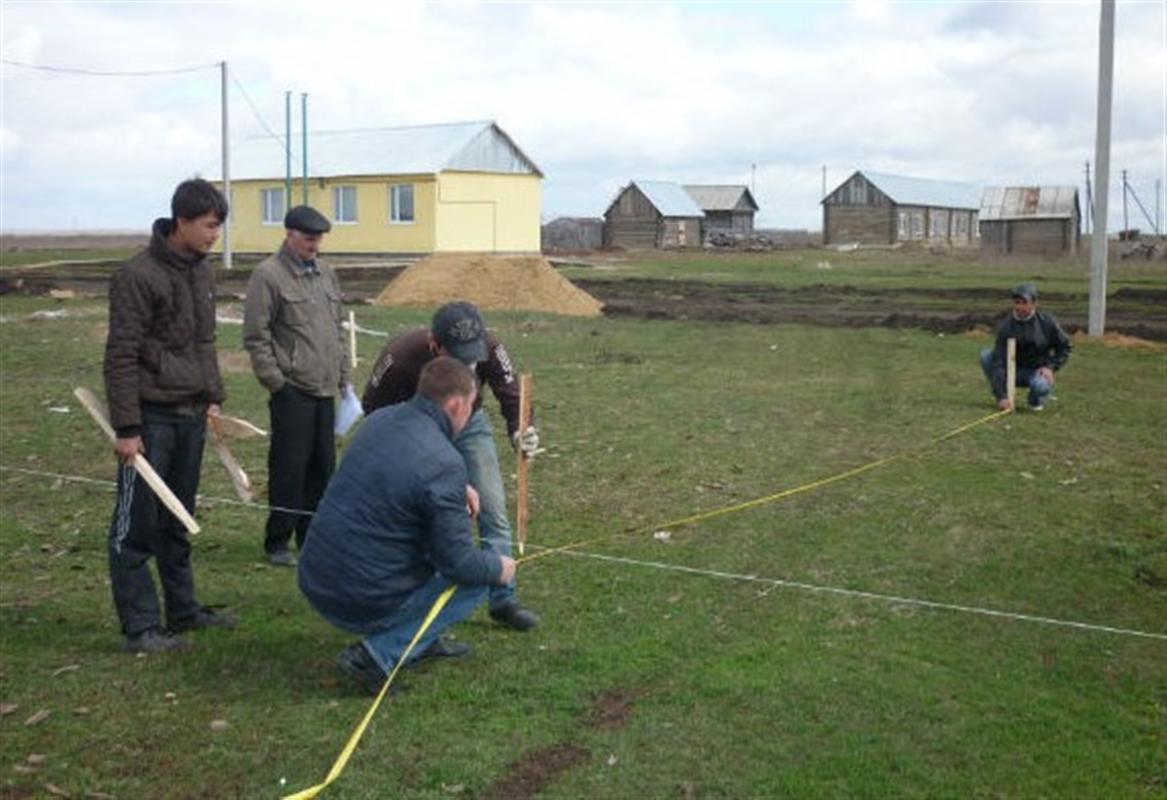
(1121, 341)
(527, 283)
(1134, 314)
(612, 709)
(534, 771)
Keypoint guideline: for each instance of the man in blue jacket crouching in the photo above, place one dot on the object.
(392, 531)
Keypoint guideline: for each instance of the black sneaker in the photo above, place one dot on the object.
(203, 618)
(154, 640)
(355, 662)
(441, 648)
(514, 616)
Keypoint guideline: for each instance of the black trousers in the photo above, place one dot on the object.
(143, 527)
(300, 461)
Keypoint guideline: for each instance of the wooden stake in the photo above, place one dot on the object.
(524, 462)
(1011, 372)
(96, 409)
(238, 427)
(238, 477)
(352, 339)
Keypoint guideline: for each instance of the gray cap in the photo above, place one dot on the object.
(1025, 290)
(306, 219)
(458, 327)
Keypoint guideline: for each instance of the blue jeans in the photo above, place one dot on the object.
(1039, 387)
(476, 444)
(387, 638)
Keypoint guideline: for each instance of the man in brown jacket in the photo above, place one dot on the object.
(161, 381)
(293, 333)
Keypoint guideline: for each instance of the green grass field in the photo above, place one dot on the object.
(645, 680)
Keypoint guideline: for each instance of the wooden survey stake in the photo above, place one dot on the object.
(1011, 372)
(352, 339)
(524, 462)
(238, 427)
(96, 409)
(238, 477)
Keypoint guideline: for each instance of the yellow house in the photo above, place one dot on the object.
(458, 187)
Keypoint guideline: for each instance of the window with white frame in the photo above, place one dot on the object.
(905, 226)
(401, 202)
(344, 204)
(858, 192)
(272, 203)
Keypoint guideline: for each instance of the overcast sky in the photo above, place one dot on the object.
(596, 94)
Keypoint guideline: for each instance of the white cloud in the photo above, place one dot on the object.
(595, 94)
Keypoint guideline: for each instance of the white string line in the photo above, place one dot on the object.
(202, 498)
(773, 582)
(887, 598)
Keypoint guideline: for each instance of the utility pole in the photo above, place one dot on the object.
(1158, 217)
(288, 148)
(226, 166)
(1089, 200)
(1126, 226)
(1098, 243)
(753, 185)
(304, 139)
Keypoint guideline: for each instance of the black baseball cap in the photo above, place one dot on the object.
(306, 219)
(458, 327)
(1025, 291)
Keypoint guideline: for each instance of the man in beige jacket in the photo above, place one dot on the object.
(292, 331)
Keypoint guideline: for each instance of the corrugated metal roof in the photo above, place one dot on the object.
(713, 197)
(408, 150)
(669, 198)
(907, 191)
(1029, 202)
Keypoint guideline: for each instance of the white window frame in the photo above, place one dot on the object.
(340, 212)
(395, 217)
(265, 206)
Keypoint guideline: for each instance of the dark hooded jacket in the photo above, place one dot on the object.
(161, 344)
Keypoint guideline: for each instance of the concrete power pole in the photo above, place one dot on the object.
(304, 140)
(226, 166)
(1098, 243)
(288, 154)
(1089, 199)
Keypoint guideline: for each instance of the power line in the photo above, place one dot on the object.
(107, 73)
(286, 146)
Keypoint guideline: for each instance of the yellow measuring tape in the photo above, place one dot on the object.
(350, 746)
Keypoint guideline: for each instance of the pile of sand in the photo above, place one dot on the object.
(509, 283)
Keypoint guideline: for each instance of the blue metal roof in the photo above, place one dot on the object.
(408, 150)
(907, 191)
(670, 199)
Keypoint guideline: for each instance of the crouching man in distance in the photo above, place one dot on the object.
(392, 531)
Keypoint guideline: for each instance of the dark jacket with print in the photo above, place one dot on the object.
(1041, 342)
(292, 326)
(395, 375)
(393, 515)
(161, 343)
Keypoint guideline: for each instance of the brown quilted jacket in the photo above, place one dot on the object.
(161, 343)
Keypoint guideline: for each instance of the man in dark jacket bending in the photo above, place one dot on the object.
(392, 531)
(1042, 349)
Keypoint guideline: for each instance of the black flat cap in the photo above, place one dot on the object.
(1026, 291)
(307, 220)
(459, 328)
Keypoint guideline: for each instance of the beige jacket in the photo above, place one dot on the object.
(292, 327)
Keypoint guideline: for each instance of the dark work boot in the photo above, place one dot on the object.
(441, 648)
(154, 640)
(203, 618)
(355, 662)
(514, 616)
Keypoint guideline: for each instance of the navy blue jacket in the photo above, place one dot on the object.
(1041, 342)
(393, 515)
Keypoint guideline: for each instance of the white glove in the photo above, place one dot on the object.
(527, 442)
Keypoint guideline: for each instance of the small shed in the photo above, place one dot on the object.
(876, 208)
(573, 233)
(728, 209)
(1030, 220)
(650, 214)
